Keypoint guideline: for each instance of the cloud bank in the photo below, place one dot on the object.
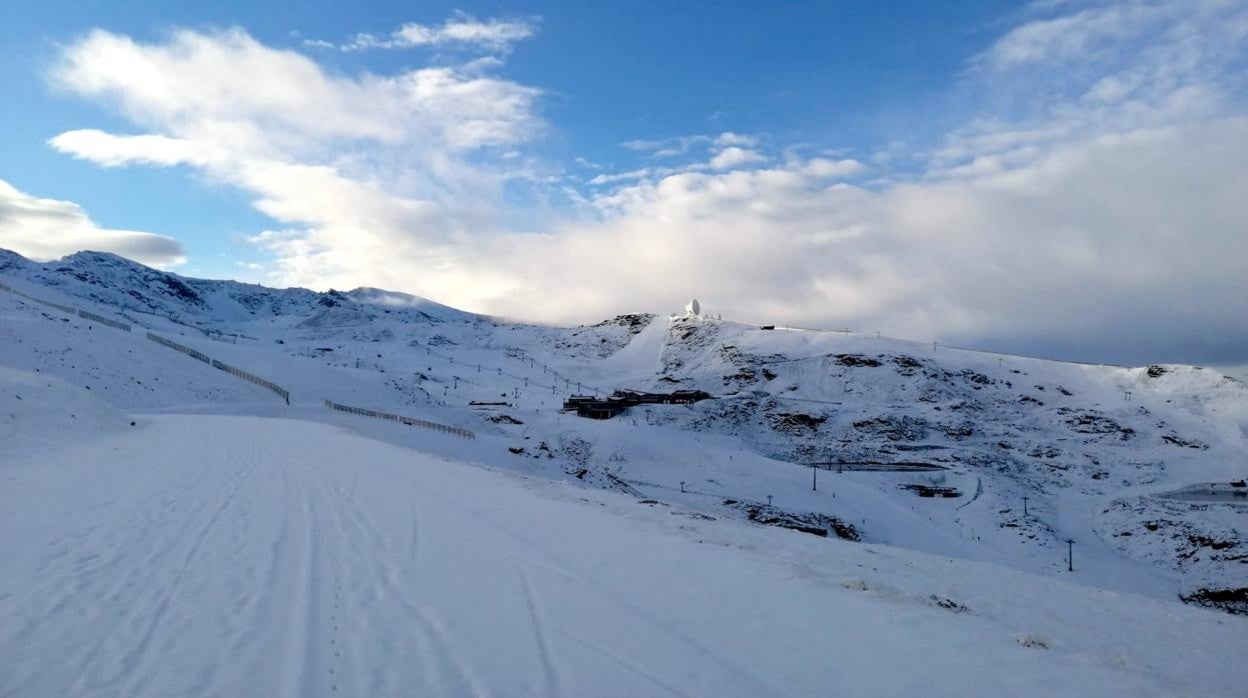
(1093, 207)
(47, 229)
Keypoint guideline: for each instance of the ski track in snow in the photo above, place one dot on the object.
(540, 634)
(294, 560)
(537, 558)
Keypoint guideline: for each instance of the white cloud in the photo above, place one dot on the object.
(387, 173)
(728, 138)
(641, 145)
(1095, 241)
(627, 176)
(460, 29)
(1100, 207)
(112, 150)
(227, 91)
(681, 145)
(1093, 68)
(733, 157)
(823, 167)
(1069, 37)
(46, 229)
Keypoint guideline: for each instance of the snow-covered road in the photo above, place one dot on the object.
(242, 556)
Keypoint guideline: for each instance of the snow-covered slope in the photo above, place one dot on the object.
(1034, 452)
(208, 555)
(38, 409)
(1091, 448)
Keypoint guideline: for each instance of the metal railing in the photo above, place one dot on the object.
(377, 414)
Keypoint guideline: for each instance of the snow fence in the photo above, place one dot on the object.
(63, 308)
(269, 385)
(199, 355)
(221, 366)
(68, 309)
(433, 426)
(103, 320)
(554, 387)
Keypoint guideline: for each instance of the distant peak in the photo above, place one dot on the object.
(9, 258)
(97, 257)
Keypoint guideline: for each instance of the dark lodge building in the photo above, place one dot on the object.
(621, 400)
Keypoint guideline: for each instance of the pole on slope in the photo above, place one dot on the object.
(768, 501)
(1070, 554)
(682, 486)
(814, 478)
(1024, 505)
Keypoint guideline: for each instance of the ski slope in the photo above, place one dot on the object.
(213, 555)
(168, 529)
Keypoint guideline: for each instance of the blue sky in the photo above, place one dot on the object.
(849, 75)
(935, 170)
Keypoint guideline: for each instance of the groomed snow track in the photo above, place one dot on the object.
(289, 558)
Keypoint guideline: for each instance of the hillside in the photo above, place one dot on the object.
(1135, 465)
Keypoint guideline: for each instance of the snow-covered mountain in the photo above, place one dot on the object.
(1094, 449)
(132, 287)
(831, 433)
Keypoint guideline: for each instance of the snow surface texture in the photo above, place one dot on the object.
(279, 557)
(198, 548)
